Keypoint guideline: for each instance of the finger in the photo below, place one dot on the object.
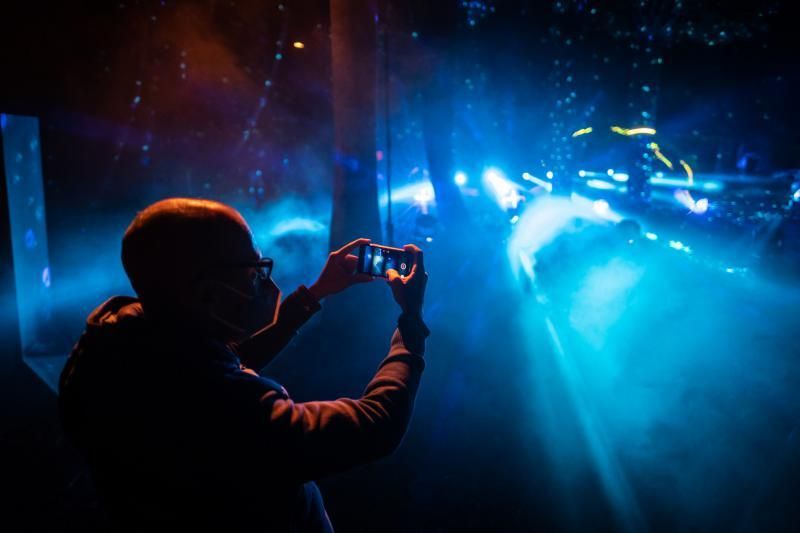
(363, 278)
(417, 253)
(394, 277)
(351, 246)
(350, 263)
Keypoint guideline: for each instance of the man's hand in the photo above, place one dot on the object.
(409, 291)
(339, 271)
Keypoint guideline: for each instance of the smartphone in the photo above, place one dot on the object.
(375, 260)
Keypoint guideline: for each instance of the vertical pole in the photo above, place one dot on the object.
(354, 58)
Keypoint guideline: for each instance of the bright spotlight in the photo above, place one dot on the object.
(420, 193)
(651, 236)
(424, 196)
(610, 172)
(505, 191)
(549, 174)
(619, 176)
(582, 173)
(684, 197)
(701, 206)
(601, 207)
(460, 178)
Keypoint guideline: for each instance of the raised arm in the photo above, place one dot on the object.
(338, 273)
(314, 439)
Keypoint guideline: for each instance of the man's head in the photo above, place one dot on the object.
(193, 263)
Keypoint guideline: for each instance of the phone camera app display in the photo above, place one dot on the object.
(377, 268)
(376, 260)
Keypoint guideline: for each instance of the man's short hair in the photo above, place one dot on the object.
(171, 241)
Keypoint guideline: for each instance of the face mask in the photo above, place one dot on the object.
(250, 312)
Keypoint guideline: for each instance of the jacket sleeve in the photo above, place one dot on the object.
(260, 349)
(314, 439)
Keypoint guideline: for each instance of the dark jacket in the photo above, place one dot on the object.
(179, 433)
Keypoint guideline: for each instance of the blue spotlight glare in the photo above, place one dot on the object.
(297, 225)
(683, 183)
(420, 192)
(701, 206)
(582, 173)
(546, 185)
(600, 184)
(460, 178)
(549, 174)
(600, 207)
(610, 172)
(650, 235)
(678, 245)
(619, 176)
(505, 191)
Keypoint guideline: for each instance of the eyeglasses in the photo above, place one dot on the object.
(263, 267)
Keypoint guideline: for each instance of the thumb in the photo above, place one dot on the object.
(394, 276)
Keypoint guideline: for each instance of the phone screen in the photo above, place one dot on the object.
(375, 260)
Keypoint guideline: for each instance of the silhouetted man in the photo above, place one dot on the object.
(162, 393)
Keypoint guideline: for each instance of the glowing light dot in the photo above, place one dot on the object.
(460, 178)
(428, 239)
(651, 236)
(610, 172)
(600, 207)
(298, 44)
(549, 174)
(279, 56)
(582, 173)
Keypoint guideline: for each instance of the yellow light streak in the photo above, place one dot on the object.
(583, 131)
(633, 131)
(661, 157)
(689, 172)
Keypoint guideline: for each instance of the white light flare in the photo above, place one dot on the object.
(698, 207)
(505, 191)
(546, 185)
